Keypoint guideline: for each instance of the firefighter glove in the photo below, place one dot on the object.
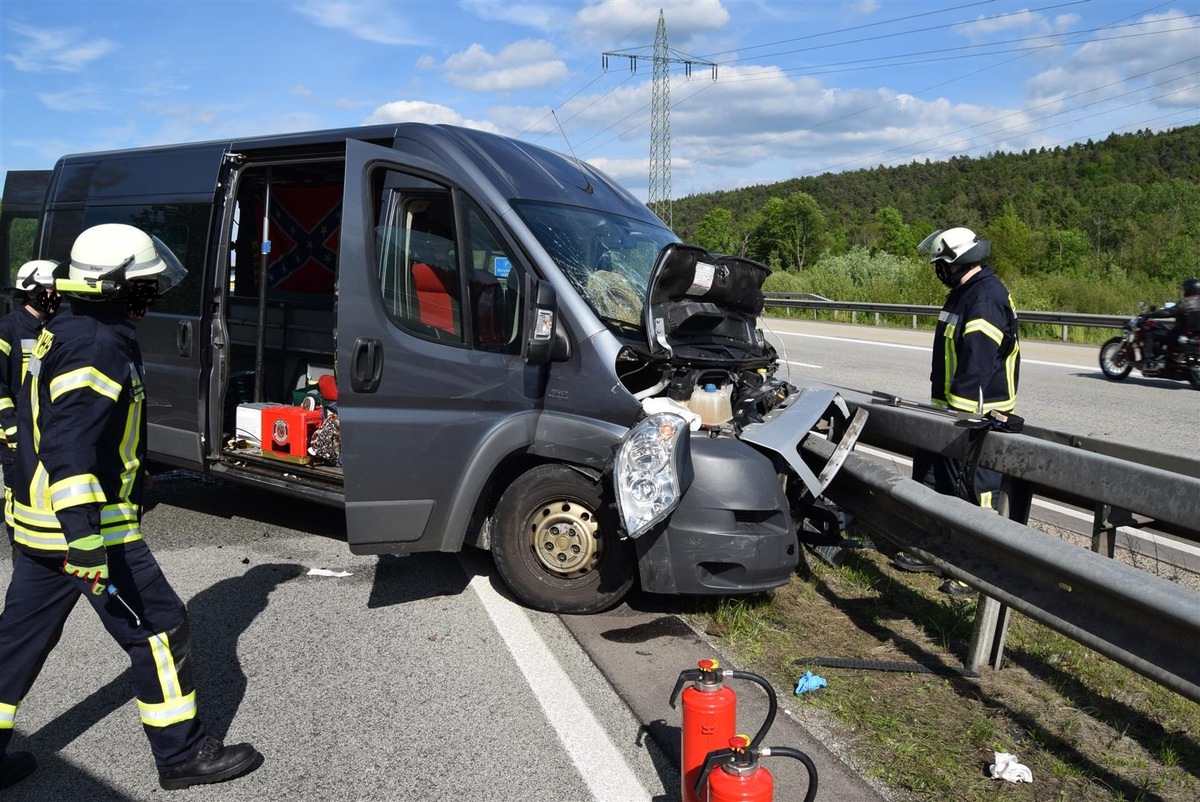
(87, 559)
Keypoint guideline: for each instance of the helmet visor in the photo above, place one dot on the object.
(925, 249)
(173, 270)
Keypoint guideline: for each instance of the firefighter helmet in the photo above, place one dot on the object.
(956, 246)
(38, 273)
(106, 260)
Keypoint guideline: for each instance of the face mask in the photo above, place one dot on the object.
(142, 295)
(948, 274)
(46, 301)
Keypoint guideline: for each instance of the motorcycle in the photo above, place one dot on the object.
(1120, 355)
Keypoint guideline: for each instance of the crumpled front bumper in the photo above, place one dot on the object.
(733, 530)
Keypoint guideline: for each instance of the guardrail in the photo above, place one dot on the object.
(1135, 618)
(816, 304)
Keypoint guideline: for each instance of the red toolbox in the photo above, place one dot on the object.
(286, 431)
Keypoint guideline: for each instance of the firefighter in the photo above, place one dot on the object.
(77, 494)
(976, 366)
(34, 292)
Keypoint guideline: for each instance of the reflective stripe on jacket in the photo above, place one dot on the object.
(976, 349)
(82, 432)
(18, 332)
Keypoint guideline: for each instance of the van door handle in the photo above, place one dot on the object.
(183, 338)
(366, 365)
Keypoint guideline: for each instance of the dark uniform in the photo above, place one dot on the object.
(79, 471)
(976, 353)
(18, 331)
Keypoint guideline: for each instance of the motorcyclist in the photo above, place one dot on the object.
(1185, 313)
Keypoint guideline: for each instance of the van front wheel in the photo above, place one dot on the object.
(555, 543)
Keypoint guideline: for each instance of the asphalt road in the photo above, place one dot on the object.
(410, 679)
(1061, 386)
(413, 679)
(416, 678)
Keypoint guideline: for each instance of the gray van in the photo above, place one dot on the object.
(464, 339)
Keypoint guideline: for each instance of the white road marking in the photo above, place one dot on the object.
(1024, 360)
(598, 760)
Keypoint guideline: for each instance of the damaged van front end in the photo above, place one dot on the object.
(708, 480)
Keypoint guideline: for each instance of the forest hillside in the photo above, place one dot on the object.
(1093, 227)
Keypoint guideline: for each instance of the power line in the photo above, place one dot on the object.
(659, 195)
(919, 92)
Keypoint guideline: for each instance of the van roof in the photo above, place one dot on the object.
(516, 169)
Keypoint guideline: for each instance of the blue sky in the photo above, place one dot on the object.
(801, 88)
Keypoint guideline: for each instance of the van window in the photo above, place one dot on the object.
(440, 283)
(495, 286)
(416, 259)
(20, 245)
(183, 227)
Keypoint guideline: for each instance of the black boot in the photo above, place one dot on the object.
(214, 763)
(15, 767)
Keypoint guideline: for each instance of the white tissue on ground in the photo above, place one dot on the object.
(326, 572)
(1006, 767)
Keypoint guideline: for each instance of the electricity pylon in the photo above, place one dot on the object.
(660, 112)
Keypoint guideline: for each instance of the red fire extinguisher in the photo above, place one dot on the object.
(736, 775)
(710, 717)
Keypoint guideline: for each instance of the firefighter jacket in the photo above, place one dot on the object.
(18, 332)
(976, 350)
(81, 441)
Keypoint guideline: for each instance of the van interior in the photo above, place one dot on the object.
(292, 290)
(274, 367)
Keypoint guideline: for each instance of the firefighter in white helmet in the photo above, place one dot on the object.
(976, 367)
(77, 509)
(35, 299)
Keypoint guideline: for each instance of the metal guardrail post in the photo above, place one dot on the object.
(1137, 619)
(1104, 531)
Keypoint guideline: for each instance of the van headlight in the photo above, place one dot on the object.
(652, 470)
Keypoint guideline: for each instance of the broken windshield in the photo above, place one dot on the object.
(607, 257)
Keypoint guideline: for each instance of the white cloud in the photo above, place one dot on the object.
(300, 91)
(372, 22)
(863, 8)
(400, 111)
(84, 98)
(1168, 55)
(612, 22)
(520, 65)
(55, 50)
(546, 17)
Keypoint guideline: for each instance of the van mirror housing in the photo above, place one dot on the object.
(547, 340)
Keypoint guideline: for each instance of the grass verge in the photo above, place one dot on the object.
(1088, 728)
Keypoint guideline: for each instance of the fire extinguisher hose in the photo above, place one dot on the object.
(772, 702)
(787, 751)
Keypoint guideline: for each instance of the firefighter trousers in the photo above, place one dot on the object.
(41, 596)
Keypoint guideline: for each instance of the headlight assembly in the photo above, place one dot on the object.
(652, 470)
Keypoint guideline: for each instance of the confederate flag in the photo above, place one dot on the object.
(304, 227)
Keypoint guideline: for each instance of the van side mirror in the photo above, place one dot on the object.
(547, 341)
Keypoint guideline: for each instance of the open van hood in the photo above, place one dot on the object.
(704, 308)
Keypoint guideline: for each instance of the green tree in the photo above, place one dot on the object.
(1065, 252)
(716, 233)
(791, 231)
(1012, 250)
(894, 236)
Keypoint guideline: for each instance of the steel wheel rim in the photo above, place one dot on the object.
(563, 536)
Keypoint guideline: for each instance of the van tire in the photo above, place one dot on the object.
(556, 546)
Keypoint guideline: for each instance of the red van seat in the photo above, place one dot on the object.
(328, 388)
(436, 294)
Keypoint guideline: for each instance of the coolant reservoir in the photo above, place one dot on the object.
(712, 404)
